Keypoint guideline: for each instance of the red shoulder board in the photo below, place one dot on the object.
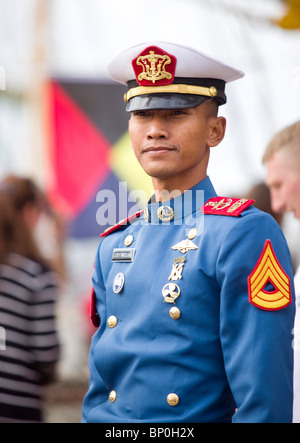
(122, 224)
(226, 206)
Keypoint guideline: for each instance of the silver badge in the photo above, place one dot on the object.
(118, 283)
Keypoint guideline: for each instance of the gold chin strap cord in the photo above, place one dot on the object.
(171, 89)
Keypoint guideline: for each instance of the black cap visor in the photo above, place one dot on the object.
(164, 101)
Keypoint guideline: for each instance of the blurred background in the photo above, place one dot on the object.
(63, 123)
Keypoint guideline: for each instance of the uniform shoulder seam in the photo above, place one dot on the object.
(122, 224)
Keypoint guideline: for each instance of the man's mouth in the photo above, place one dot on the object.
(158, 149)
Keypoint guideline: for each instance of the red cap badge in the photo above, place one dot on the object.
(154, 66)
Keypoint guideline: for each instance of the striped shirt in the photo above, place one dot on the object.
(28, 337)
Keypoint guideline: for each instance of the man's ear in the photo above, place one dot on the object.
(217, 131)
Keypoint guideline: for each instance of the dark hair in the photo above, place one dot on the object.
(15, 236)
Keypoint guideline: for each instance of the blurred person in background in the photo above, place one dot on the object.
(282, 160)
(261, 195)
(28, 289)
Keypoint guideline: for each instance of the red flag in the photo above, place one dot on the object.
(79, 154)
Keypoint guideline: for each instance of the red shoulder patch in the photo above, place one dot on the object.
(122, 223)
(226, 206)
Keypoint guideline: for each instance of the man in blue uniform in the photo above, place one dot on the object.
(193, 297)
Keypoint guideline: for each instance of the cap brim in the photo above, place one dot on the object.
(164, 101)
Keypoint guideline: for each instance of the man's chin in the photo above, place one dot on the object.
(158, 173)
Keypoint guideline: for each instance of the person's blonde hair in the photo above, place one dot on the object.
(287, 139)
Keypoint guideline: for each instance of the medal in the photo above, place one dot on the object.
(177, 269)
(170, 292)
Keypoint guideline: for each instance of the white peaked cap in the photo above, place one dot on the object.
(162, 75)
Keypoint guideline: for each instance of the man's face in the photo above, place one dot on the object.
(173, 144)
(283, 179)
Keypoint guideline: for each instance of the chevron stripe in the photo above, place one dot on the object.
(269, 270)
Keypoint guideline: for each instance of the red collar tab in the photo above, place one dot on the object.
(154, 67)
(226, 206)
(122, 224)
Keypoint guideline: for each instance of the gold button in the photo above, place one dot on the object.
(213, 91)
(173, 399)
(128, 240)
(175, 313)
(112, 396)
(192, 234)
(112, 321)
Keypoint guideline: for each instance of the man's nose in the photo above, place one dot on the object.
(157, 130)
(278, 203)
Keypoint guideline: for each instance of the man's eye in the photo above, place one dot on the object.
(178, 112)
(140, 113)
